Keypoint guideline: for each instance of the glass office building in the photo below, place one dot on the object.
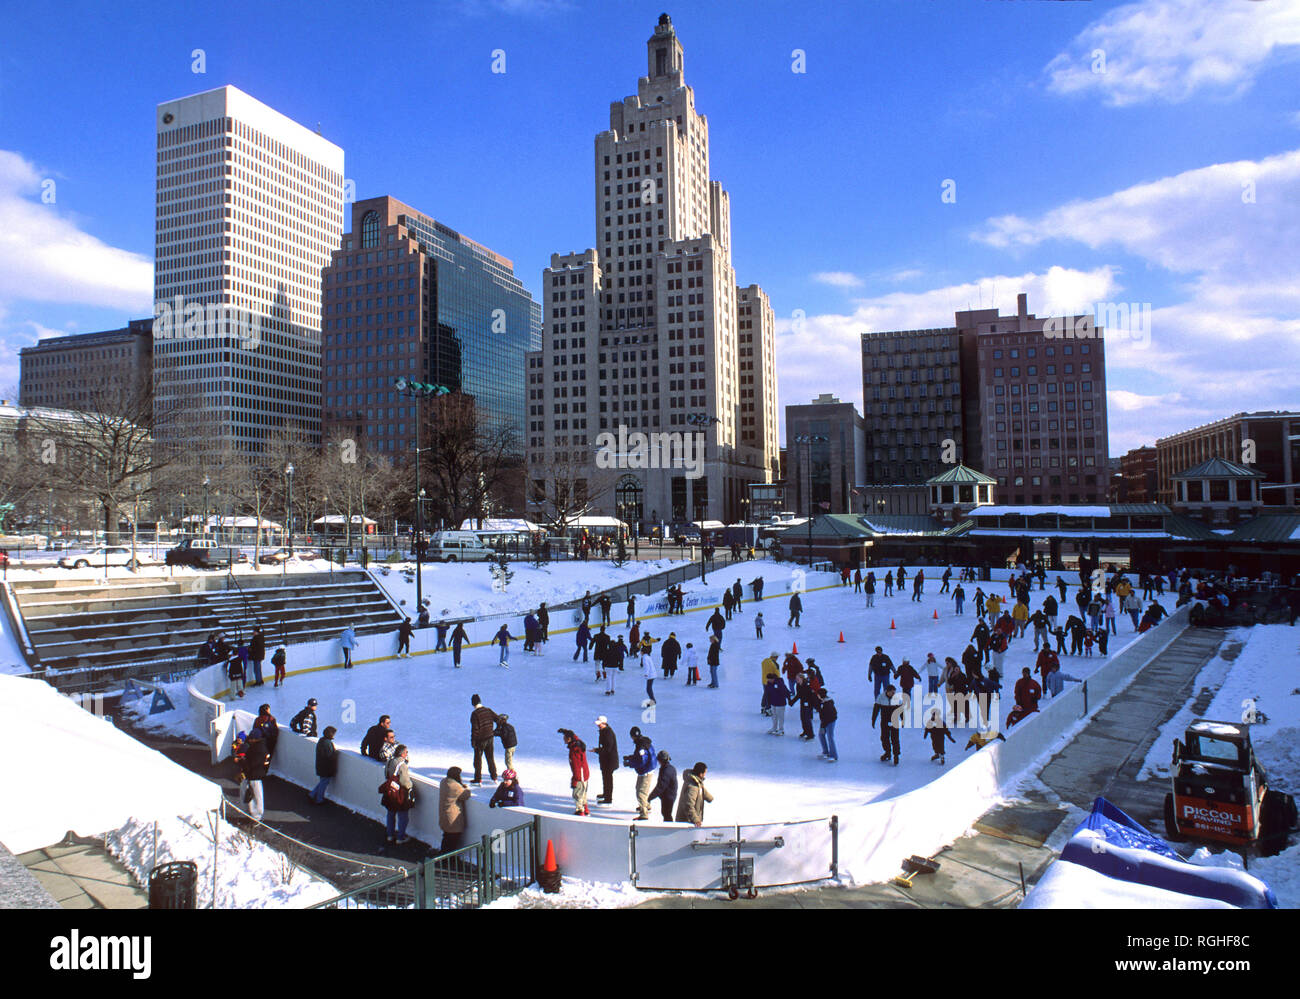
(407, 296)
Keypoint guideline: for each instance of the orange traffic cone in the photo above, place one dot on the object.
(936, 615)
(549, 863)
(794, 648)
(891, 624)
(841, 641)
(549, 876)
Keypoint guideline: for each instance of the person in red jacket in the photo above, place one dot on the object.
(579, 772)
(1027, 693)
(1047, 662)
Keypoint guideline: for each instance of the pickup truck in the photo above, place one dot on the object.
(204, 553)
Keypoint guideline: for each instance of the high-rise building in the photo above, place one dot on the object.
(249, 208)
(826, 465)
(408, 297)
(111, 369)
(1020, 398)
(648, 333)
(1265, 442)
(1138, 477)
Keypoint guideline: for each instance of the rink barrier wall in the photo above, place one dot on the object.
(873, 839)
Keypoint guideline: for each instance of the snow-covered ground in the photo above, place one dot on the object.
(1265, 677)
(466, 589)
(753, 776)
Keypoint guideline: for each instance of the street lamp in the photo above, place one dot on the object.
(205, 504)
(288, 473)
(417, 391)
(810, 440)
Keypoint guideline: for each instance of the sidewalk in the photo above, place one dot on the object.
(983, 871)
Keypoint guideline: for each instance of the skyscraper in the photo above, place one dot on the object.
(645, 334)
(249, 208)
(408, 297)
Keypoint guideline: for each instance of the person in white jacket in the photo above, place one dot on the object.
(348, 642)
(691, 660)
(648, 669)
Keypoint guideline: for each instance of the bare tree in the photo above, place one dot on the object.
(468, 462)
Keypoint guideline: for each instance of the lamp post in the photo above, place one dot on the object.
(288, 520)
(135, 525)
(417, 391)
(810, 440)
(697, 420)
(205, 504)
(49, 513)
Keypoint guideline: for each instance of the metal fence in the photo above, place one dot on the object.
(499, 865)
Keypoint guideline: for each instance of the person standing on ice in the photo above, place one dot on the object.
(691, 661)
(482, 737)
(888, 708)
(502, 638)
(607, 759)
(631, 606)
(643, 761)
(756, 585)
(918, 586)
(906, 675)
(959, 598)
(442, 628)
(796, 609)
(582, 639)
(936, 729)
(758, 625)
(714, 659)
(728, 602)
(348, 642)
(458, 638)
(715, 624)
(932, 670)
(532, 633)
(776, 695)
(737, 596)
(807, 698)
(979, 603)
(648, 670)
(947, 578)
(257, 653)
(600, 651)
(606, 603)
(544, 622)
(889, 584)
(827, 716)
(404, 638)
(669, 653)
(579, 772)
(766, 668)
(880, 668)
(870, 584)
(857, 580)
(509, 739)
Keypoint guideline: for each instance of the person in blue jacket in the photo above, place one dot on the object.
(777, 696)
(583, 639)
(502, 638)
(643, 761)
(508, 793)
(665, 788)
(532, 632)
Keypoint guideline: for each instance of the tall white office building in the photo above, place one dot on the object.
(648, 333)
(249, 207)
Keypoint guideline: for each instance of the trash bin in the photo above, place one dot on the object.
(174, 885)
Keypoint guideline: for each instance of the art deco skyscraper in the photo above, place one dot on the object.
(249, 208)
(643, 334)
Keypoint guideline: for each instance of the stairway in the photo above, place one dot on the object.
(91, 626)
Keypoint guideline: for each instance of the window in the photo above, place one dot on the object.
(370, 229)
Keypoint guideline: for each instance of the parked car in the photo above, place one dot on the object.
(204, 553)
(458, 546)
(113, 555)
(56, 545)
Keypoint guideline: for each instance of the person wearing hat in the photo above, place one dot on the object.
(714, 659)
(508, 793)
(607, 756)
(579, 772)
(453, 800)
(691, 661)
(304, 722)
(665, 789)
(889, 709)
(769, 666)
(256, 763)
(669, 653)
(327, 764)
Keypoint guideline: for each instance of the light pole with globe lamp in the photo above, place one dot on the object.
(288, 520)
(810, 440)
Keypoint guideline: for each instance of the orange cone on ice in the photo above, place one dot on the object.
(936, 615)
(794, 648)
(549, 863)
(891, 624)
(841, 641)
(549, 876)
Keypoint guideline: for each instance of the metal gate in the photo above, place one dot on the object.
(783, 853)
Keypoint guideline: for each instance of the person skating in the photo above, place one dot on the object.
(508, 793)
(767, 668)
(458, 639)
(827, 716)
(728, 601)
(870, 586)
(453, 808)
(918, 586)
(257, 653)
(606, 603)
(583, 641)
(509, 739)
(482, 738)
(544, 622)
(665, 789)
(716, 623)
(857, 580)
(612, 663)
(532, 633)
(737, 595)
(348, 642)
(600, 652)
(327, 764)
(888, 708)
(690, 806)
(756, 585)
(947, 579)
(758, 625)
(714, 659)
(502, 638)
(648, 671)
(879, 669)
(634, 637)
(932, 673)
(607, 759)
(404, 631)
(889, 584)
(796, 609)
(906, 675)
(235, 671)
(670, 652)
(579, 772)
(807, 698)
(442, 627)
(959, 598)
(631, 607)
(775, 695)
(936, 729)
(304, 722)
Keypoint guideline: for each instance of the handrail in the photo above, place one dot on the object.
(15, 616)
(257, 621)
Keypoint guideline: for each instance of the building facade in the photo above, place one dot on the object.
(108, 369)
(653, 395)
(824, 473)
(1267, 442)
(1138, 476)
(1021, 398)
(408, 297)
(249, 209)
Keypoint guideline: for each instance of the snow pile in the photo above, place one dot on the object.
(66, 769)
(249, 874)
(575, 893)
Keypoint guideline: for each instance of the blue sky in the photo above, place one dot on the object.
(1167, 171)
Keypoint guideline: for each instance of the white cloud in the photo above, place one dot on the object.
(46, 257)
(1168, 50)
(838, 279)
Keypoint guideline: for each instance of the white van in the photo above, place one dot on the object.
(458, 546)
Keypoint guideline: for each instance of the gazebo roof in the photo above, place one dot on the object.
(1219, 468)
(961, 475)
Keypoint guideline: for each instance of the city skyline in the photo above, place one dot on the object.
(1074, 186)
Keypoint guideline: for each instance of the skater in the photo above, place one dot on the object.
(714, 659)
(888, 708)
(404, 638)
(600, 652)
(906, 675)
(586, 606)
(870, 585)
(327, 764)
(607, 758)
(807, 698)
(648, 671)
(532, 633)
(947, 579)
(669, 653)
(508, 793)
(889, 584)
(937, 729)
(756, 585)
(959, 597)
(758, 625)
(544, 622)
(728, 602)
(690, 806)
(583, 640)
(482, 737)
(257, 653)
(692, 663)
(665, 789)
(879, 670)
(827, 716)
(348, 642)
(796, 609)
(441, 627)
(716, 623)
(304, 722)
(634, 637)
(235, 671)
(509, 739)
(643, 762)
(502, 638)
(631, 606)
(579, 772)
(776, 696)
(737, 592)
(458, 638)
(918, 586)
(606, 603)
(857, 580)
